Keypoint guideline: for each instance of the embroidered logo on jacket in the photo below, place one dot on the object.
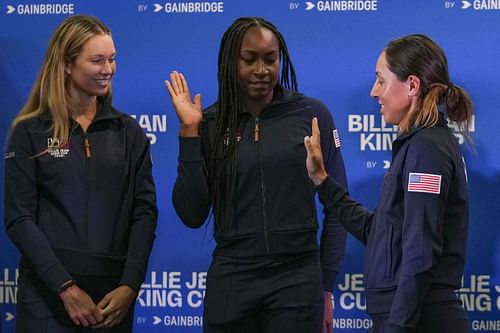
(424, 182)
(336, 138)
(54, 150)
(10, 154)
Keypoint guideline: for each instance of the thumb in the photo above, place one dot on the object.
(104, 302)
(197, 100)
(308, 144)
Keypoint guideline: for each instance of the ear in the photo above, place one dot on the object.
(413, 85)
(67, 69)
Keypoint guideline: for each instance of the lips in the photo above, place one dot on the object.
(103, 82)
(259, 83)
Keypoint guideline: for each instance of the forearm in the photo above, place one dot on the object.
(38, 252)
(332, 248)
(191, 195)
(351, 214)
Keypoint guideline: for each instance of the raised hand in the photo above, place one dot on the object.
(188, 112)
(314, 161)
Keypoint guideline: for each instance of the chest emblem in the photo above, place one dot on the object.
(54, 150)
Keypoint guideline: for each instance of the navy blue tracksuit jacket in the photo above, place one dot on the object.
(416, 237)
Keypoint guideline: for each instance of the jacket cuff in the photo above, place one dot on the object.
(190, 149)
(55, 277)
(329, 278)
(330, 192)
(132, 278)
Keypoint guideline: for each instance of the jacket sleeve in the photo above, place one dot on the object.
(422, 233)
(144, 214)
(333, 234)
(356, 218)
(21, 209)
(191, 194)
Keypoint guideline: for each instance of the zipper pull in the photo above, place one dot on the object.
(257, 130)
(86, 143)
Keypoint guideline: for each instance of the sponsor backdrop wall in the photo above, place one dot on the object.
(334, 46)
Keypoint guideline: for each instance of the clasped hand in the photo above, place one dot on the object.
(109, 312)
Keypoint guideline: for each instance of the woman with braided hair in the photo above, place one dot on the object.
(416, 238)
(243, 160)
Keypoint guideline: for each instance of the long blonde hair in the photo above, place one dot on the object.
(49, 93)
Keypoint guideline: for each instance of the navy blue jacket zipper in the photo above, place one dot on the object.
(86, 148)
(257, 136)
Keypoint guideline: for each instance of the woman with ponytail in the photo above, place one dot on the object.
(417, 236)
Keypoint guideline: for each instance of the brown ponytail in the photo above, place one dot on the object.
(419, 55)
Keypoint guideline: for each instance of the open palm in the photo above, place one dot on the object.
(188, 112)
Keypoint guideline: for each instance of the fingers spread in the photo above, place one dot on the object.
(169, 88)
(176, 85)
(197, 101)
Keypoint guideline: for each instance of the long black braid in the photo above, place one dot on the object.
(223, 166)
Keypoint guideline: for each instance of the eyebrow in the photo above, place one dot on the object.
(100, 54)
(252, 51)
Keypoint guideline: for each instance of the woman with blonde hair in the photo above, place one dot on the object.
(80, 200)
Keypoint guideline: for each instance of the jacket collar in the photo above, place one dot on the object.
(104, 111)
(442, 121)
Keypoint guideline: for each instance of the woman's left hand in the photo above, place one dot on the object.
(314, 161)
(328, 314)
(115, 305)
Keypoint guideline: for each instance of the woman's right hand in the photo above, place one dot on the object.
(189, 112)
(314, 161)
(80, 307)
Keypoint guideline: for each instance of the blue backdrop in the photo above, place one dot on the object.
(334, 46)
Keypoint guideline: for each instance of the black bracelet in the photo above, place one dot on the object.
(65, 286)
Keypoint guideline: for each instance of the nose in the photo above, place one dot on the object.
(373, 92)
(261, 67)
(107, 67)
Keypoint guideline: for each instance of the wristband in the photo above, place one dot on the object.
(65, 286)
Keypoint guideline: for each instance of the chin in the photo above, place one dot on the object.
(257, 96)
(387, 120)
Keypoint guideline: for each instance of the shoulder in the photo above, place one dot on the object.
(314, 103)
(125, 121)
(295, 101)
(433, 147)
(113, 113)
(110, 111)
(316, 108)
(431, 138)
(28, 131)
(41, 122)
(26, 134)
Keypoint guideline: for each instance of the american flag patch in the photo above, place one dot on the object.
(424, 182)
(336, 138)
